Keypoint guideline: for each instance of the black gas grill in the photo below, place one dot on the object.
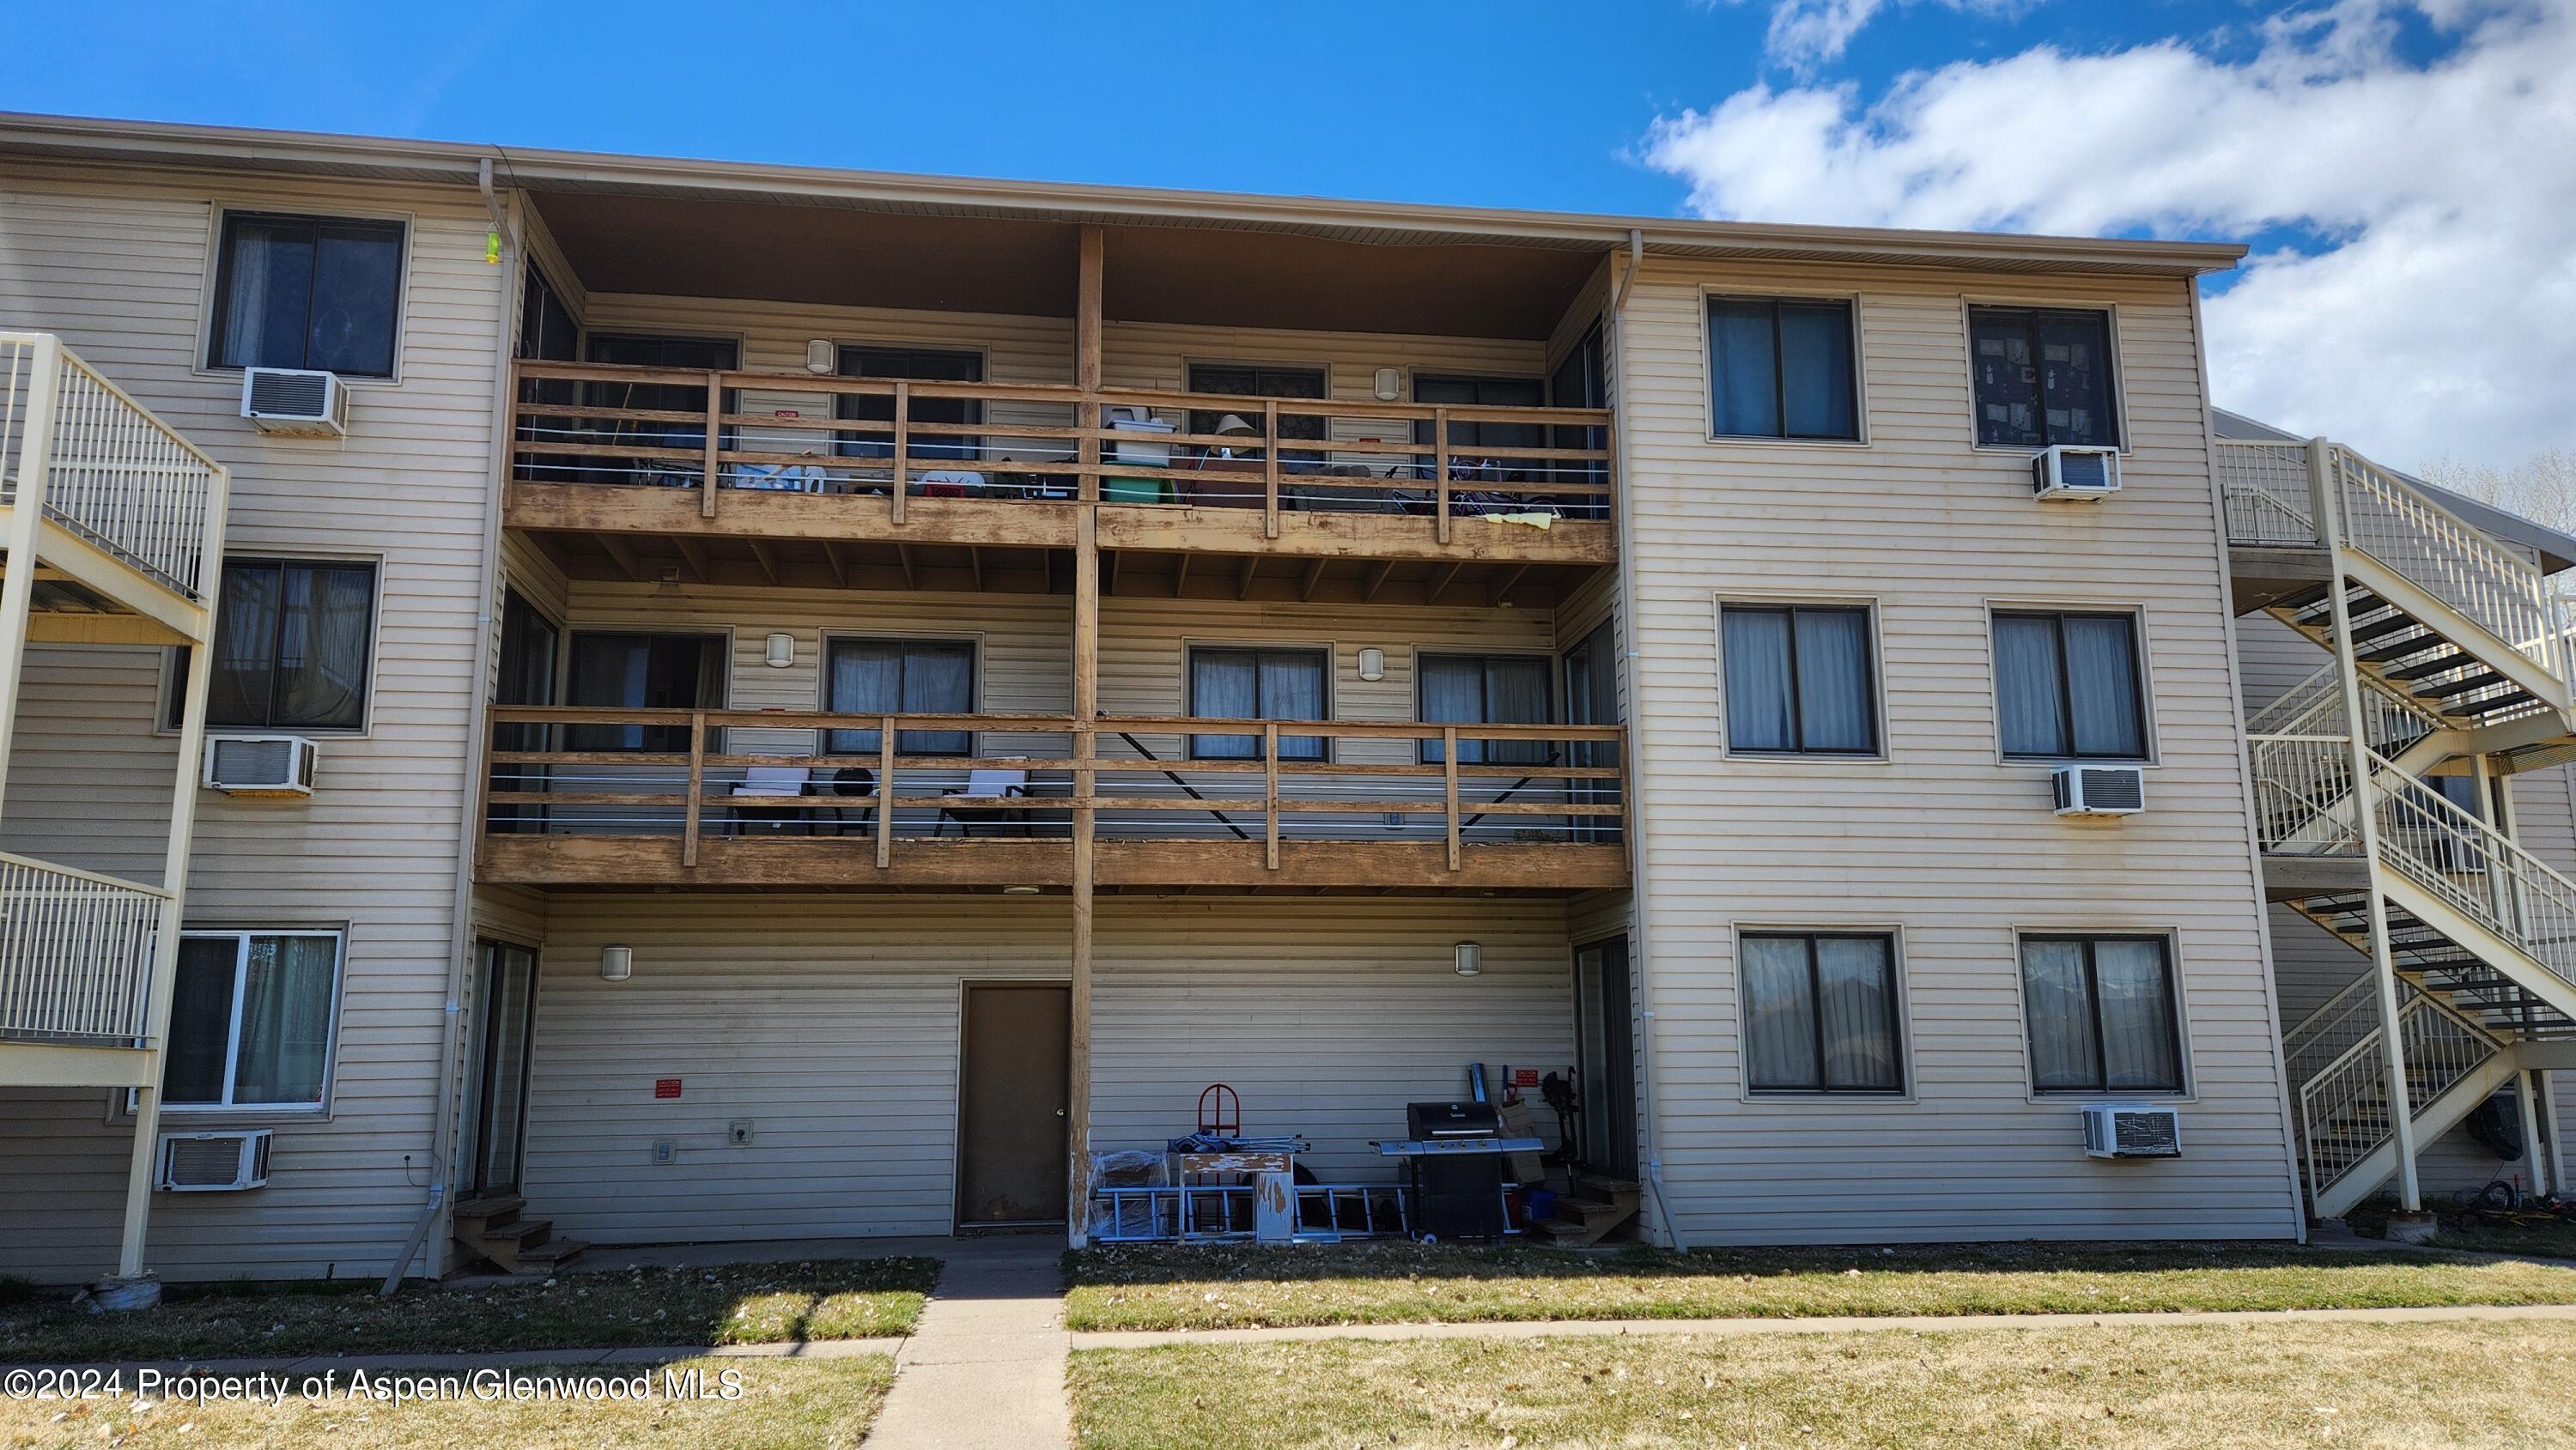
(1453, 1162)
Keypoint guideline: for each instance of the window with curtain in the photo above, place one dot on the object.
(644, 672)
(2102, 1014)
(1781, 367)
(2068, 686)
(1260, 382)
(1486, 690)
(1258, 684)
(307, 292)
(900, 676)
(2042, 377)
(692, 354)
(293, 638)
(250, 1020)
(1820, 1013)
(1799, 679)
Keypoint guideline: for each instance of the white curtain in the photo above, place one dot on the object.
(2028, 668)
(322, 645)
(2060, 1006)
(1779, 1014)
(1835, 706)
(1758, 684)
(871, 676)
(1744, 368)
(241, 689)
(2102, 684)
(1226, 684)
(268, 271)
(1856, 995)
(2138, 1047)
(285, 1019)
(866, 677)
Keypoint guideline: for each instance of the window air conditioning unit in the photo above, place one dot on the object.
(296, 402)
(2099, 790)
(2131, 1130)
(2064, 471)
(224, 1162)
(260, 765)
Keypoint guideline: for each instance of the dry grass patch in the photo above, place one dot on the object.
(734, 1304)
(823, 1403)
(1232, 1287)
(2492, 1385)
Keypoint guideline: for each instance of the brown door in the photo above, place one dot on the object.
(1011, 1105)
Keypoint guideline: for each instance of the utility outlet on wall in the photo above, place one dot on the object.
(738, 1132)
(666, 1152)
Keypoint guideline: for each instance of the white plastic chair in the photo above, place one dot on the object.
(773, 780)
(992, 785)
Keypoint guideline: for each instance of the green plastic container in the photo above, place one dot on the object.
(1136, 490)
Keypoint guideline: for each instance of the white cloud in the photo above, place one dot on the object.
(2436, 315)
(1804, 33)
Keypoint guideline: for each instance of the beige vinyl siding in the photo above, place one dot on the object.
(116, 261)
(830, 1023)
(1940, 843)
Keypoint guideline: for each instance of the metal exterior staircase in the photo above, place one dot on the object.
(2448, 646)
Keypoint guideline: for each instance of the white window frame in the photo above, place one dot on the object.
(241, 936)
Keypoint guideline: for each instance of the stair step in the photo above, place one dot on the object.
(553, 1252)
(523, 1232)
(483, 1214)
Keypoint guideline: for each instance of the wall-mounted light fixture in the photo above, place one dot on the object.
(821, 356)
(1390, 385)
(616, 964)
(1372, 663)
(1471, 959)
(780, 651)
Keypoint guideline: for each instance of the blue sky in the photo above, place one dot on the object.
(2282, 125)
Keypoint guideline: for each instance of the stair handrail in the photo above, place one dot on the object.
(2331, 1029)
(2301, 781)
(2266, 507)
(2359, 1069)
(2314, 706)
(2525, 901)
(2390, 519)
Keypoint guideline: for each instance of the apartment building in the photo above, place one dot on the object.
(764, 703)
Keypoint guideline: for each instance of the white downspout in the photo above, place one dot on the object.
(1649, 1151)
(470, 830)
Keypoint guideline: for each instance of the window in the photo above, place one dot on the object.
(1820, 1014)
(2042, 377)
(893, 676)
(307, 292)
(691, 354)
(291, 647)
(1259, 382)
(1258, 684)
(1484, 393)
(2101, 1012)
(530, 645)
(2067, 687)
(250, 1019)
(1487, 690)
(1782, 368)
(643, 672)
(1799, 680)
(916, 365)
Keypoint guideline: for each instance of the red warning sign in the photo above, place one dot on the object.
(666, 1087)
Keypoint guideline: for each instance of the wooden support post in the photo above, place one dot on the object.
(1270, 795)
(1449, 786)
(885, 792)
(1086, 717)
(902, 445)
(708, 486)
(1092, 264)
(689, 823)
(1270, 469)
(1440, 465)
(2526, 1104)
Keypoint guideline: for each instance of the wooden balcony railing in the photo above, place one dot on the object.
(881, 783)
(798, 433)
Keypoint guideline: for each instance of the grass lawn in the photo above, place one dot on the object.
(2274, 1385)
(1226, 1287)
(781, 1404)
(736, 1304)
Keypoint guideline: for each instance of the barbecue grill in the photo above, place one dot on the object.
(1453, 1162)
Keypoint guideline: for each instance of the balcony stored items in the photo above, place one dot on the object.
(2064, 471)
(1453, 1165)
(296, 402)
(986, 786)
(766, 783)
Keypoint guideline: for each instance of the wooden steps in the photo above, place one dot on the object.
(491, 1228)
(1590, 1210)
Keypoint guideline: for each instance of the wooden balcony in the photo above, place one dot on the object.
(588, 798)
(76, 956)
(1322, 499)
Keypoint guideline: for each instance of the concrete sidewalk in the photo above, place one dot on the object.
(1837, 1324)
(984, 1370)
